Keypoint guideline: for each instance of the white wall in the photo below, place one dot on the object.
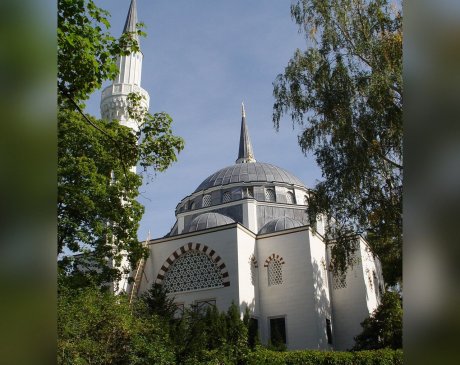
(351, 305)
(222, 240)
(296, 297)
(321, 288)
(247, 292)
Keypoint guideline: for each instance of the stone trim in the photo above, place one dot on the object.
(253, 261)
(274, 257)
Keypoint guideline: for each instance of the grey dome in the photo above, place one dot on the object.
(279, 224)
(249, 172)
(208, 220)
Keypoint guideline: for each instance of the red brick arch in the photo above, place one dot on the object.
(273, 256)
(191, 246)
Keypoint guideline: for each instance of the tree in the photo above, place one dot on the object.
(97, 327)
(98, 214)
(252, 327)
(157, 302)
(237, 334)
(345, 91)
(384, 327)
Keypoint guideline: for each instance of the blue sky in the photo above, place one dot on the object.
(202, 58)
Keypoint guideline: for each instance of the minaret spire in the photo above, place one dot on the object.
(131, 20)
(245, 153)
(114, 100)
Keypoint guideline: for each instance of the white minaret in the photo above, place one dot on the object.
(114, 100)
(114, 106)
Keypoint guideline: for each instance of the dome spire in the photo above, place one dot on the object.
(131, 20)
(245, 153)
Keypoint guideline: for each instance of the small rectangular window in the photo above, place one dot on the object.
(329, 331)
(203, 305)
(253, 332)
(278, 331)
(179, 310)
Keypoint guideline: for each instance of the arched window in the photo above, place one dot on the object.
(249, 193)
(305, 200)
(192, 205)
(226, 197)
(290, 198)
(192, 271)
(206, 201)
(275, 273)
(339, 281)
(270, 195)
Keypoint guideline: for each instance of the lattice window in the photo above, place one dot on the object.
(226, 197)
(207, 200)
(270, 195)
(275, 273)
(290, 198)
(339, 281)
(191, 271)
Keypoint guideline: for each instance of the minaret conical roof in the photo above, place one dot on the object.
(131, 20)
(245, 153)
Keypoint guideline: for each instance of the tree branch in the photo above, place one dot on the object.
(77, 107)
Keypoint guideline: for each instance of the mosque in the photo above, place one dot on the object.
(244, 236)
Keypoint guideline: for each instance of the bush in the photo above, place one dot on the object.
(314, 357)
(383, 329)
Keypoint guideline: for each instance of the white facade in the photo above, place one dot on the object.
(244, 236)
(305, 295)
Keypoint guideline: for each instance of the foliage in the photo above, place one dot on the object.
(96, 327)
(345, 91)
(253, 329)
(86, 50)
(383, 329)
(98, 214)
(209, 336)
(313, 357)
(157, 302)
(92, 192)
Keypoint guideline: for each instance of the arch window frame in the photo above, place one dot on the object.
(270, 195)
(290, 197)
(206, 201)
(211, 276)
(305, 200)
(226, 197)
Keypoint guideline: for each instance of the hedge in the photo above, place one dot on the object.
(314, 357)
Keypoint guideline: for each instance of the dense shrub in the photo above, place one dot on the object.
(383, 329)
(313, 357)
(97, 327)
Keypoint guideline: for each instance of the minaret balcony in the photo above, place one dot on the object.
(125, 89)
